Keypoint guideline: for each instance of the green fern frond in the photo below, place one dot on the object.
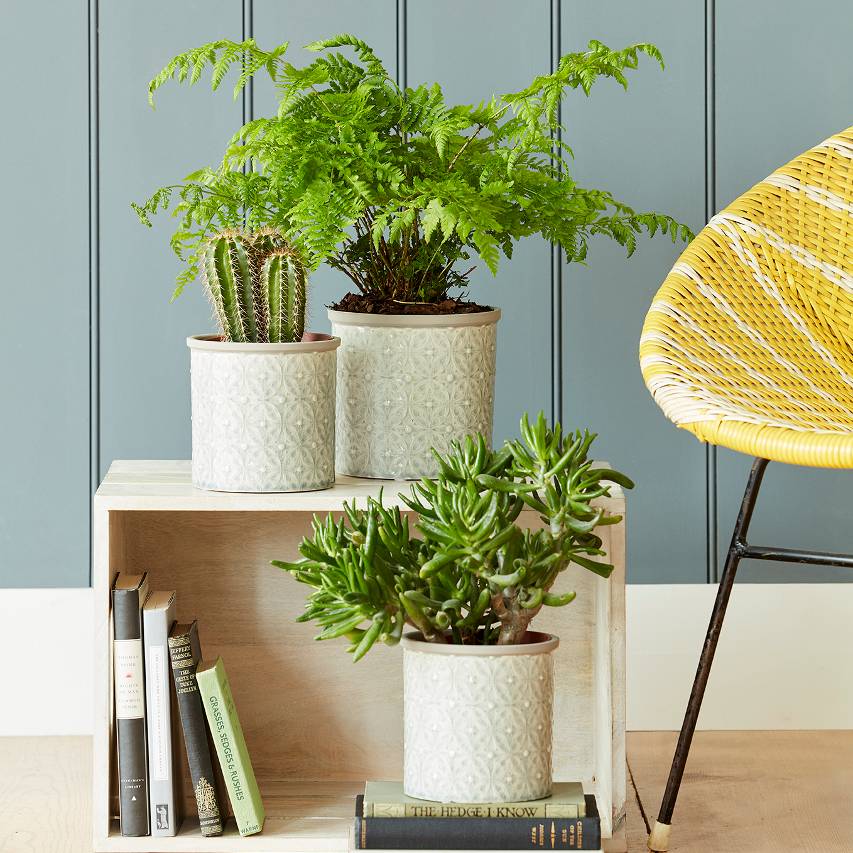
(363, 50)
(397, 188)
(221, 56)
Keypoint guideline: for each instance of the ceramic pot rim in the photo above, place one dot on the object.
(415, 321)
(212, 343)
(536, 643)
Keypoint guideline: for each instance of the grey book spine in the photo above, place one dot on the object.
(157, 622)
(185, 651)
(130, 709)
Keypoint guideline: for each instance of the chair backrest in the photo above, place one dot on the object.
(755, 320)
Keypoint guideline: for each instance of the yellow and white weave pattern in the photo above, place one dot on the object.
(749, 342)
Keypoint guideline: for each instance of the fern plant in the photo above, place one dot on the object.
(395, 187)
(473, 575)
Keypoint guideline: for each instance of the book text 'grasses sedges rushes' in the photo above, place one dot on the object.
(230, 747)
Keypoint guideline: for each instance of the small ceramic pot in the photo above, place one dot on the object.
(478, 720)
(410, 383)
(263, 415)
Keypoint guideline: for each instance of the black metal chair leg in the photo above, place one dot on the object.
(659, 838)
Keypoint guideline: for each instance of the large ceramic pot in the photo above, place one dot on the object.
(478, 720)
(263, 415)
(409, 383)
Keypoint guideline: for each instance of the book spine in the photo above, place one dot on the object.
(130, 712)
(158, 686)
(460, 810)
(185, 656)
(231, 749)
(477, 833)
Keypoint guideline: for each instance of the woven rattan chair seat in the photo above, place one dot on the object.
(749, 342)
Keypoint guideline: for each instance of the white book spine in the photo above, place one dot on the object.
(158, 686)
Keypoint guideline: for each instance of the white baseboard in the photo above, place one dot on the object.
(46, 662)
(783, 661)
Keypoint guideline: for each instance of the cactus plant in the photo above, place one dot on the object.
(257, 285)
(283, 284)
(474, 577)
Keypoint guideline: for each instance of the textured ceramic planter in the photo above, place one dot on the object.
(409, 383)
(478, 720)
(263, 415)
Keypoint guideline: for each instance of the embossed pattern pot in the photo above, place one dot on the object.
(409, 383)
(263, 415)
(478, 720)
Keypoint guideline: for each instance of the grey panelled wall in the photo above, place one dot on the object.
(144, 362)
(647, 146)
(44, 347)
(747, 86)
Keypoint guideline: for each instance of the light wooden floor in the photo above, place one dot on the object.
(743, 792)
(749, 792)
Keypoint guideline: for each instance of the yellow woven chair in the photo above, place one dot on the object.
(749, 345)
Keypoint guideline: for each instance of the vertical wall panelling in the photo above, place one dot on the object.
(784, 81)
(402, 78)
(94, 267)
(301, 22)
(712, 568)
(248, 96)
(647, 146)
(144, 365)
(44, 348)
(556, 256)
(248, 99)
(475, 49)
(97, 366)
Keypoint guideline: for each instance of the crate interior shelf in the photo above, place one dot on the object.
(316, 724)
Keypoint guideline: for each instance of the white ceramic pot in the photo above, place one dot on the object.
(478, 720)
(263, 415)
(409, 383)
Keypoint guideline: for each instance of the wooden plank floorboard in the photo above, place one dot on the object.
(636, 817)
(45, 795)
(751, 792)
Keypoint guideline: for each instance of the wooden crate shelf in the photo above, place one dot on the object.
(302, 816)
(316, 724)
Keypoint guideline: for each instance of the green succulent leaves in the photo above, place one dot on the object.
(472, 575)
(396, 187)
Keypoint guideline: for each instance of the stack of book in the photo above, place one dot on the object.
(157, 667)
(386, 819)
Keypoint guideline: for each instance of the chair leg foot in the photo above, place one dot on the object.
(659, 837)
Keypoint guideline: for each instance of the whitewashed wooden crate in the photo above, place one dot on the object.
(316, 724)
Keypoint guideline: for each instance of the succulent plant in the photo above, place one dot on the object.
(474, 576)
(256, 283)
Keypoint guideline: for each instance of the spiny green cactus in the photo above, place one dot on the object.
(256, 284)
(283, 282)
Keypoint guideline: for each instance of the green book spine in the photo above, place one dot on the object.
(388, 800)
(231, 747)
